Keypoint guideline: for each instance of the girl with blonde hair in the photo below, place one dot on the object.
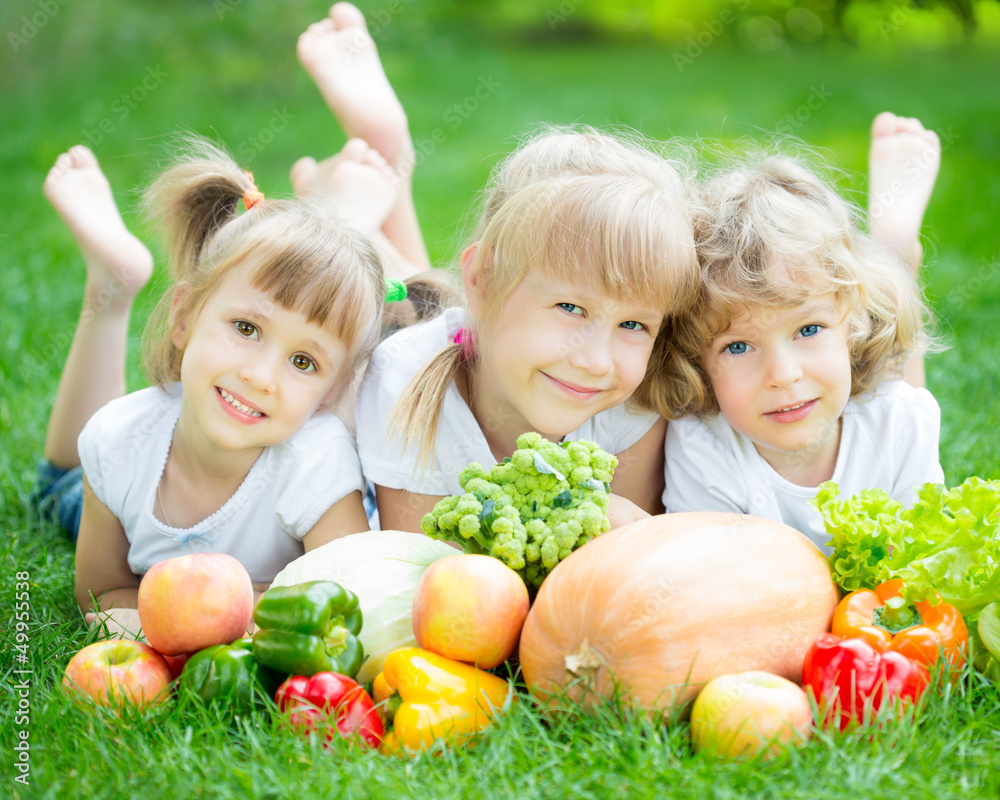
(271, 312)
(583, 248)
(786, 371)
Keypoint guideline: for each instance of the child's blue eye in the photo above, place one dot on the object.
(303, 363)
(809, 330)
(632, 325)
(570, 307)
(247, 329)
(736, 348)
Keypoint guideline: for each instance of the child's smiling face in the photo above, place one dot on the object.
(253, 372)
(558, 355)
(782, 377)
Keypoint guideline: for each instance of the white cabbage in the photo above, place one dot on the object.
(383, 569)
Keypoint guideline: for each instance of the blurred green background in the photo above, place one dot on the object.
(124, 76)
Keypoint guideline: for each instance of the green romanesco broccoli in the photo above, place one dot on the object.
(532, 510)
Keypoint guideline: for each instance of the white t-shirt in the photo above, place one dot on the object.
(123, 450)
(459, 440)
(888, 440)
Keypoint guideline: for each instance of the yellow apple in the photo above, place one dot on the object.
(746, 713)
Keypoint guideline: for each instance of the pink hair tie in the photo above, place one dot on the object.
(464, 337)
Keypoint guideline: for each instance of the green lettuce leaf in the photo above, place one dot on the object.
(946, 543)
(863, 530)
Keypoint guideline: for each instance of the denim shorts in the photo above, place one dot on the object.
(371, 507)
(58, 495)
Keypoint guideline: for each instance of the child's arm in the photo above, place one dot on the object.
(344, 517)
(639, 476)
(102, 568)
(400, 510)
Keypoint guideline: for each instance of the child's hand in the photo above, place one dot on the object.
(117, 623)
(622, 511)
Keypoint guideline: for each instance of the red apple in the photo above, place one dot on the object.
(470, 608)
(192, 602)
(118, 671)
(741, 715)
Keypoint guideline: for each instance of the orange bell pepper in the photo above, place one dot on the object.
(884, 620)
(425, 697)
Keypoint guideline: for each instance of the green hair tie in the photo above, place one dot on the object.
(395, 291)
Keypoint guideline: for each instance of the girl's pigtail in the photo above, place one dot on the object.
(193, 200)
(414, 416)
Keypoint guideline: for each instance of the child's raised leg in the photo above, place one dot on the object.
(902, 167)
(118, 266)
(340, 56)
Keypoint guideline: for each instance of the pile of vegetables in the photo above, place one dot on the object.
(383, 568)
(305, 653)
(358, 639)
(533, 509)
(944, 548)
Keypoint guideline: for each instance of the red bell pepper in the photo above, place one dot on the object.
(334, 700)
(852, 682)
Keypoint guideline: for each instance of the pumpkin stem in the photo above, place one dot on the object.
(584, 661)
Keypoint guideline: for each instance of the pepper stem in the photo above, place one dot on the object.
(336, 636)
(389, 708)
(897, 615)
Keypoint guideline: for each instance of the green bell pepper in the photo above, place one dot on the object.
(229, 674)
(308, 628)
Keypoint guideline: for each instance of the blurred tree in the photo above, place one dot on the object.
(753, 23)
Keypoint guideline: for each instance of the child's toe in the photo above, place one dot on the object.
(345, 15)
(884, 124)
(301, 171)
(82, 156)
(355, 149)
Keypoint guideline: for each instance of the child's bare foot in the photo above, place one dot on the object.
(902, 167)
(357, 182)
(340, 56)
(117, 262)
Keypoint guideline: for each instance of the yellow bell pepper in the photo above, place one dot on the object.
(425, 697)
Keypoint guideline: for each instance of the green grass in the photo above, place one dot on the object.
(235, 77)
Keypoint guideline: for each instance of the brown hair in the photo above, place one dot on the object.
(295, 252)
(771, 232)
(578, 204)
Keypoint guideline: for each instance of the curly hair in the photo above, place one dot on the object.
(772, 233)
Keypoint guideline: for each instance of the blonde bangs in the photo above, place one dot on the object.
(325, 272)
(626, 236)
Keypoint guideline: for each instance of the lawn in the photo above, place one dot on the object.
(125, 76)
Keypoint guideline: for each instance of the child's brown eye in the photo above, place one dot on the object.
(247, 329)
(303, 363)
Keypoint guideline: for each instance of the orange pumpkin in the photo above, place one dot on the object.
(664, 605)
